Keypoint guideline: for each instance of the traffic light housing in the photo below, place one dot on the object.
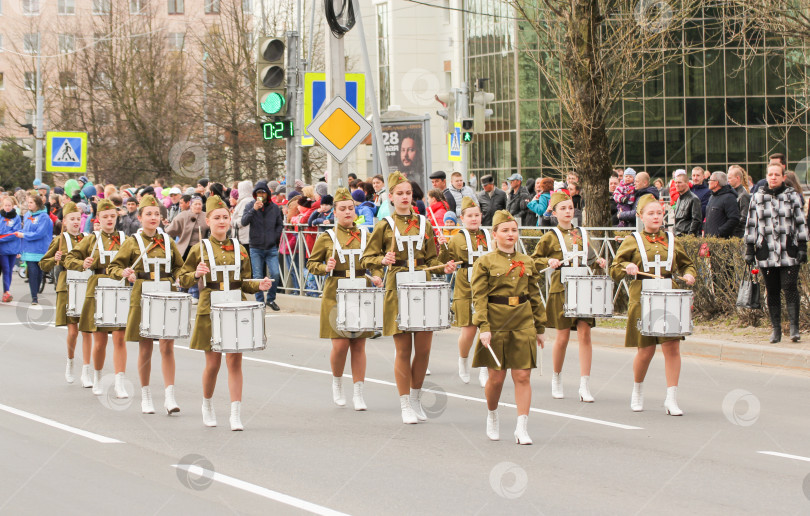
(467, 130)
(481, 113)
(271, 77)
(448, 100)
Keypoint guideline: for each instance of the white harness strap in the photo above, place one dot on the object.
(166, 261)
(103, 253)
(657, 264)
(419, 239)
(236, 268)
(475, 253)
(68, 242)
(574, 254)
(352, 254)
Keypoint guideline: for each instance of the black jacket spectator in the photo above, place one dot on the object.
(688, 215)
(722, 213)
(743, 200)
(266, 224)
(490, 203)
(518, 203)
(703, 193)
(614, 211)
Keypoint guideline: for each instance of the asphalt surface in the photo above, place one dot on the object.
(65, 450)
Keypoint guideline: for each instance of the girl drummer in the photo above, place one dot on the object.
(391, 249)
(552, 249)
(336, 253)
(464, 248)
(626, 263)
(163, 260)
(59, 248)
(511, 318)
(197, 268)
(95, 252)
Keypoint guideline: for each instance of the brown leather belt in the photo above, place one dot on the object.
(346, 273)
(102, 270)
(220, 285)
(404, 263)
(151, 275)
(508, 300)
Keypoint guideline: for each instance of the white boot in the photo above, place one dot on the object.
(585, 389)
(337, 391)
(556, 386)
(522, 431)
(463, 370)
(236, 416)
(120, 391)
(146, 401)
(493, 427)
(87, 379)
(416, 404)
(483, 376)
(97, 383)
(357, 399)
(671, 403)
(637, 400)
(408, 415)
(69, 371)
(209, 416)
(169, 402)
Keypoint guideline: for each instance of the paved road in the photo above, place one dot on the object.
(65, 450)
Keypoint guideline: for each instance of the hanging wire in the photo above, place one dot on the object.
(333, 19)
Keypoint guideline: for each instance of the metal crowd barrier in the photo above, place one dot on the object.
(294, 250)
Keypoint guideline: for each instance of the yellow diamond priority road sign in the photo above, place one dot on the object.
(339, 128)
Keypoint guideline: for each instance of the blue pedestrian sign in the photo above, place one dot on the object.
(454, 144)
(66, 152)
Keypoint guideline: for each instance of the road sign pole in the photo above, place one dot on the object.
(335, 85)
(292, 109)
(40, 118)
(465, 149)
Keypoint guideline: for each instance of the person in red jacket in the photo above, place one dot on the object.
(437, 207)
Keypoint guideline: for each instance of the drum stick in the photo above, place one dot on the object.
(547, 268)
(154, 244)
(202, 255)
(436, 224)
(639, 273)
(436, 267)
(498, 362)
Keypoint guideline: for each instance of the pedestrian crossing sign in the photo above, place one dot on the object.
(454, 144)
(66, 152)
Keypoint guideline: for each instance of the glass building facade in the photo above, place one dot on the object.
(706, 108)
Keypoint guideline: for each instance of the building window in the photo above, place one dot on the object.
(67, 43)
(102, 117)
(67, 80)
(249, 39)
(383, 56)
(136, 6)
(176, 7)
(211, 6)
(31, 43)
(247, 6)
(29, 81)
(66, 6)
(101, 42)
(30, 7)
(101, 81)
(101, 7)
(175, 40)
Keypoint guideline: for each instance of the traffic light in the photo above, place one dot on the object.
(481, 113)
(27, 145)
(271, 81)
(467, 130)
(448, 100)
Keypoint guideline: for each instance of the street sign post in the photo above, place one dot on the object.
(339, 128)
(66, 151)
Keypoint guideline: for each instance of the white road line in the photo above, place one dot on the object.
(785, 455)
(448, 394)
(258, 490)
(60, 426)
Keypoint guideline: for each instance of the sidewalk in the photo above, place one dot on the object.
(785, 354)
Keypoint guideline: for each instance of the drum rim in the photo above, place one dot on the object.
(239, 304)
(427, 284)
(166, 295)
(360, 290)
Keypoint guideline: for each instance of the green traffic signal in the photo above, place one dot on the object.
(466, 137)
(273, 102)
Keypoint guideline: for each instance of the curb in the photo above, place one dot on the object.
(756, 354)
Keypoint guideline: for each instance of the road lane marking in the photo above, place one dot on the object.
(449, 394)
(785, 455)
(258, 490)
(50, 422)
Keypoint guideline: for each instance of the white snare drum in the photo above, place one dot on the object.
(424, 306)
(360, 309)
(666, 313)
(588, 296)
(77, 291)
(112, 304)
(238, 327)
(165, 315)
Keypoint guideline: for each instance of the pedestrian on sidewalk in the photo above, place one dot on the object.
(10, 245)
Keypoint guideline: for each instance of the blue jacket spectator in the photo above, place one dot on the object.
(365, 209)
(37, 235)
(703, 193)
(10, 223)
(540, 205)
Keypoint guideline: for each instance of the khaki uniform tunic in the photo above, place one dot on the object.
(462, 293)
(547, 248)
(321, 252)
(629, 253)
(47, 264)
(75, 262)
(379, 244)
(201, 335)
(126, 256)
(514, 328)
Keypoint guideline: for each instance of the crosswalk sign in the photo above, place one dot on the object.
(66, 152)
(454, 144)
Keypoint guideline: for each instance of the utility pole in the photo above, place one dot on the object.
(40, 122)
(293, 67)
(205, 113)
(336, 85)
